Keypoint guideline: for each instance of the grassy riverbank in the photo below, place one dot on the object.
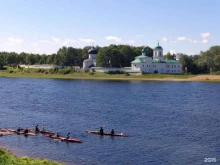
(39, 73)
(7, 158)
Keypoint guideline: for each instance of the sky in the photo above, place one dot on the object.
(43, 26)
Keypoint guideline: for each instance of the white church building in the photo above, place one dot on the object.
(91, 62)
(141, 64)
(155, 64)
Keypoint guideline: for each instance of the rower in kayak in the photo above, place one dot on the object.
(112, 132)
(19, 129)
(68, 136)
(36, 128)
(57, 135)
(26, 130)
(101, 131)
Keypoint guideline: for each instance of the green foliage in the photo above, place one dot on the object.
(115, 72)
(64, 71)
(53, 70)
(8, 159)
(170, 56)
(109, 56)
(91, 73)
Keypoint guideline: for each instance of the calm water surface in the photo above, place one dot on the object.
(167, 122)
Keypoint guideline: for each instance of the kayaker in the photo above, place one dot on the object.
(26, 130)
(112, 132)
(68, 136)
(19, 129)
(36, 128)
(101, 131)
(57, 135)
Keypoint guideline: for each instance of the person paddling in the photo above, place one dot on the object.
(112, 132)
(57, 135)
(68, 136)
(36, 128)
(101, 131)
(26, 130)
(19, 129)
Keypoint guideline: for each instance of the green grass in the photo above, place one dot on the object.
(7, 158)
(45, 73)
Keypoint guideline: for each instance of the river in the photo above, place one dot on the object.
(167, 122)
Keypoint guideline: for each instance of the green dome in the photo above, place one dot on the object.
(158, 47)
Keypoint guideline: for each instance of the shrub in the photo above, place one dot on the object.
(64, 71)
(37, 70)
(115, 72)
(91, 73)
(217, 73)
(53, 70)
(26, 70)
(126, 74)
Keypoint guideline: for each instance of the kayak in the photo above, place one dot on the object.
(43, 132)
(4, 132)
(107, 133)
(40, 131)
(64, 139)
(21, 132)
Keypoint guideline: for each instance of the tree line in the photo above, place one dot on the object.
(113, 56)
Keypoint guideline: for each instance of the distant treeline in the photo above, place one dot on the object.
(113, 56)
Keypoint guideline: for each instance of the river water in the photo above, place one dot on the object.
(167, 122)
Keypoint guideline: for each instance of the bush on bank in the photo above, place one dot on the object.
(7, 158)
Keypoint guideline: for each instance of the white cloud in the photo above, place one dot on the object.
(56, 40)
(83, 40)
(204, 41)
(131, 41)
(205, 35)
(68, 41)
(194, 41)
(113, 38)
(165, 39)
(182, 38)
(63, 42)
(172, 51)
(15, 40)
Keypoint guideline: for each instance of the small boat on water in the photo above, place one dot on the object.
(41, 131)
(21, 132)
(4, 132)
(64, 139)
(107, 133)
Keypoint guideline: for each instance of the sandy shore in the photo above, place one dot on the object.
(195, 78)
(205, 78)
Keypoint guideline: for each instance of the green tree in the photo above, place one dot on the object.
(109, 57)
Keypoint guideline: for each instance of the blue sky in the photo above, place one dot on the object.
(43, 26)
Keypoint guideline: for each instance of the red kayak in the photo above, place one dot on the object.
(107, 133)
(64, 139)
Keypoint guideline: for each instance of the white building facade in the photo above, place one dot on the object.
(91, 62)
(155, 64)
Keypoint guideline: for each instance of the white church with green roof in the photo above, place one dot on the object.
(155, 64)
